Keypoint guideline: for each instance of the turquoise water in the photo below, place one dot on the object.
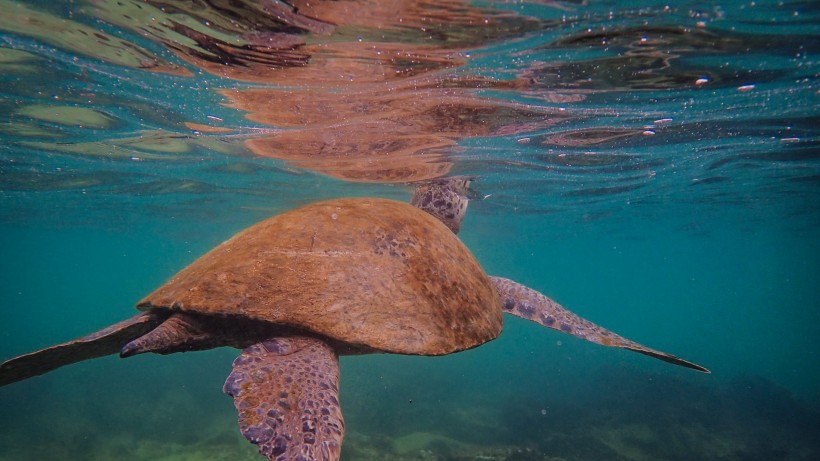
(653, 168)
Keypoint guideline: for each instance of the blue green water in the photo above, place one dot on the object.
(655, 169)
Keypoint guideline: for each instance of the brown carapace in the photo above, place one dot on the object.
(367, 272)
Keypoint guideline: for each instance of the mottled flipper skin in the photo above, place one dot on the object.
(104, 342)
(286, 391)
(182, 332)
(524, 302)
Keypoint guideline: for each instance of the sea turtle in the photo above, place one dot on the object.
(342, 276)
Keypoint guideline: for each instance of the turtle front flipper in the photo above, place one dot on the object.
(524, 302)
(104, 342)
(286, 391)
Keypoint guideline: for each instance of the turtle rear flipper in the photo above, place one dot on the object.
(286, 391)
(524, 302)
(186, 331)
(104, 342)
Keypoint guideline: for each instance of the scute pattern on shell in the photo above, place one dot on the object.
(369, 272)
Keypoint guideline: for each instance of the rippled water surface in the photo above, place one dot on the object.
(655, 167)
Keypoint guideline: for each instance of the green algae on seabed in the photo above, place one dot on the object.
(79, 38)
(161, 141)
(416, 442)
(216, 447)
(67, 115)
(27, 130)
(9, 55)
(16, 61)
(162, 25)
(640, 441)
(149, 145)
(427, 446)
(628, 441)
(12, 180)
(105, 149)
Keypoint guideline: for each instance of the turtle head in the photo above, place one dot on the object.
(444, 198)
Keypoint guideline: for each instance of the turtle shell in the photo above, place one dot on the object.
(364, 271)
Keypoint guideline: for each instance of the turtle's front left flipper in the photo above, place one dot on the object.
(524, 302)
(286, 391)
(104, 342)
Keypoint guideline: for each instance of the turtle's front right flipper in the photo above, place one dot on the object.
(104, 342)
(524, 302)
(286, 391)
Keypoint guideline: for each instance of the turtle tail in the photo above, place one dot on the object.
(104, 342)
(524, 302)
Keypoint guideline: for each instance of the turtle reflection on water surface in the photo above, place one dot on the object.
(343, 276)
